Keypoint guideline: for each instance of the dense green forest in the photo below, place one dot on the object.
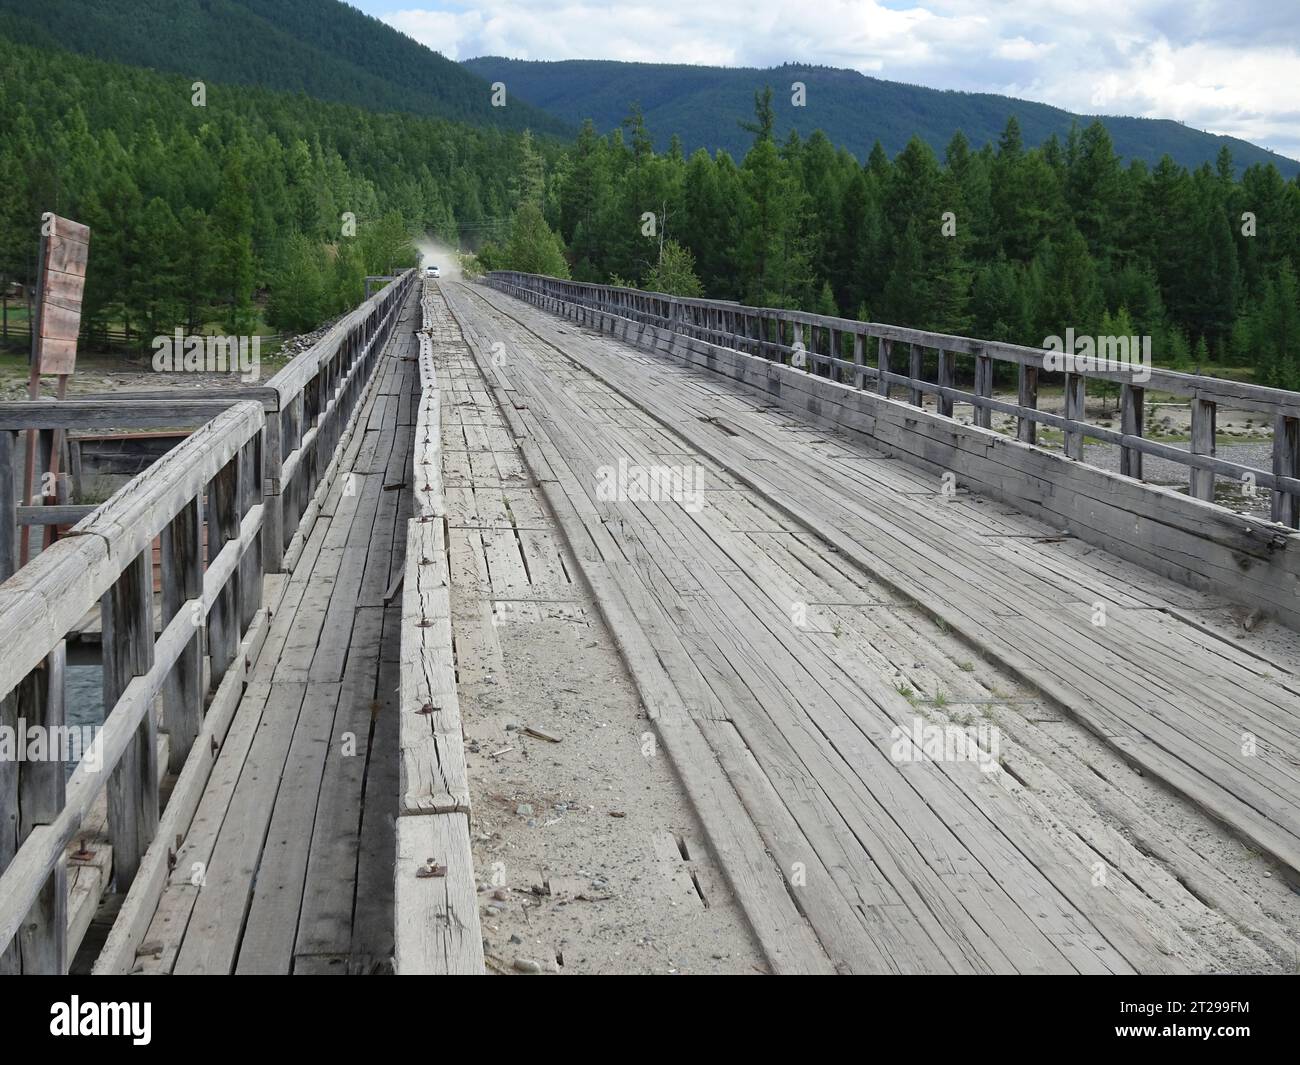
(270, 206)
(1041, 239)
(323, 48)
(195, 211)
(699, 105)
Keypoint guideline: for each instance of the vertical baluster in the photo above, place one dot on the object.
(983, 416)
(915, 374)
(223, 526)
(945, 380)
(1204, 421)
(1075, 397)
(43, 938)
(182, 581)
(1132, 399)
(1286, 463)
(882, 366)
(126, 610)
(1027, 428)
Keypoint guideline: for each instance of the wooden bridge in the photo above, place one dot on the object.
(870, 685)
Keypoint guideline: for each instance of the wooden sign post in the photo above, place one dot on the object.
(60, 283)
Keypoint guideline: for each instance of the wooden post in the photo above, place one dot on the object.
(1204, 419)
(1075, 396)
(983, 417)
(1286, 463)
(882, 367)
(943, 404)
(43, 938)
(8, 505)
(223, 526)
(858, 375)
(126, 610)
(1027, 428)
(294, 495)
(915, 372)
(1132, 400)
(182, 580)
(250, 566)
(10, 961)
(272, 500)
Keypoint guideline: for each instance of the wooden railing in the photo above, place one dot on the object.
(886, 357)
(230, 504)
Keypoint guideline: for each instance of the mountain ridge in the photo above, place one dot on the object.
(323, 48)
(704, 106)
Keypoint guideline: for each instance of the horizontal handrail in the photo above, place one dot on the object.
(1244, 396)
(227, 477)
(815, 343)
(42, 602)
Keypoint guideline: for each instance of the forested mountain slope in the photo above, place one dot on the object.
(703, 106)
(194, 210)
(321, 47)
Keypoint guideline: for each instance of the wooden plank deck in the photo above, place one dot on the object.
(825, 601)
(287, 866)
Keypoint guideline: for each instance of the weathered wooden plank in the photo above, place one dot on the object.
(436, 905)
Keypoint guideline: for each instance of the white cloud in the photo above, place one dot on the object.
(1228, 67)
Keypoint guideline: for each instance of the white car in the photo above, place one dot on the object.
(431, 271)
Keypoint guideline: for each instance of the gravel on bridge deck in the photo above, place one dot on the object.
(794, 632)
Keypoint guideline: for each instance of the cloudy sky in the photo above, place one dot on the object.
(1224, 67)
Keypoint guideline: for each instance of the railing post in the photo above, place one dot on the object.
(127, 613)
(983, 416)
(250, 565)
(223, 526)
(272, 499)
(1075, 396)
(1204, 420)
(945, 380)
(1027, 428)
(8, 505)
(1132, 399)
(10, 961)
(882, 366)
(43, 938)
(915, 369)
(182, 581)
(291, 441)
(1286, 463)
(858, 364)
